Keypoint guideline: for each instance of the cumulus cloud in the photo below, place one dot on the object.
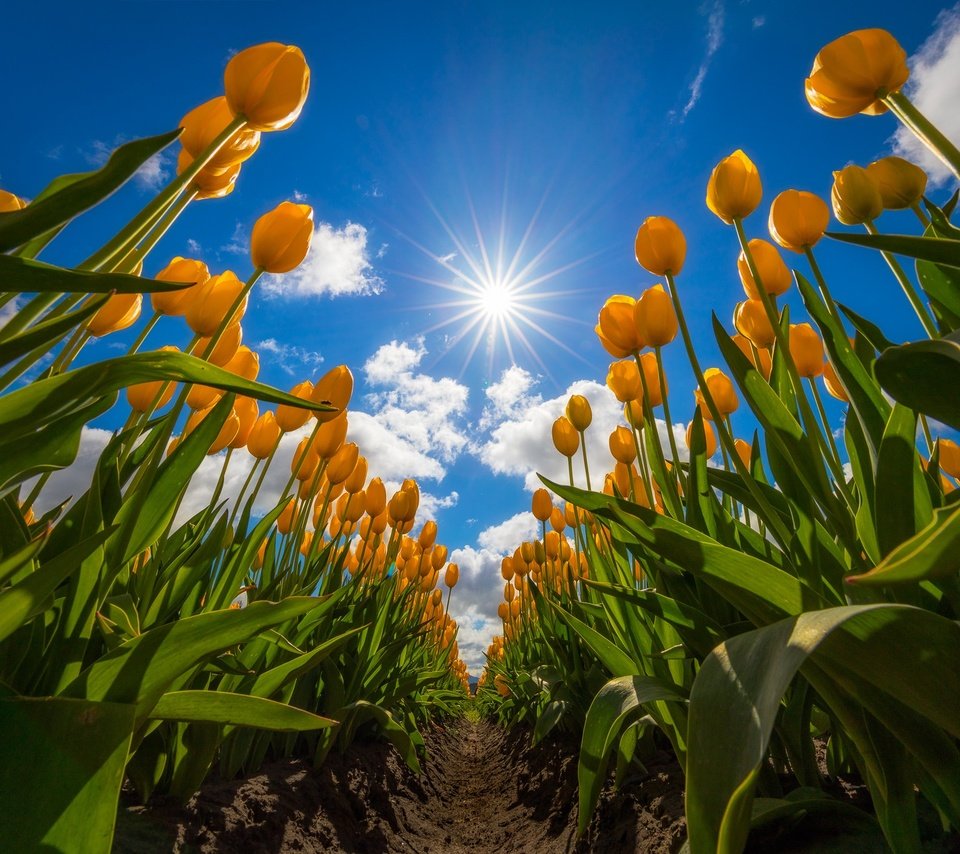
(935, 70)
(509, 396)
(338, 264)
(504, 537)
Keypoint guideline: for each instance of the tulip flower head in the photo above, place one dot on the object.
(655, 318)
(244, 363)
(566, 439)
(141, 395)
(855, 72)
(281, 238)
(750, 320)
(660, 246)
(9, 202)
(949, 457)
(264, 436)
(212, 302)
(248, 411)
(901, 184)
(542, 505)
(210, 183)
(806, 350)
(798, 219)
(623, 379)
(119, 312)
(744, 451)
(267, 84)
(710, 436)
(578, 412)
(832, 383)
(203, 124)
(184, 271)
(225, 349)
(335, 389)
(622, 447)
(291, 418)
(773, 272)
(734, 189)
(855, 196)
(651, 378)
(721, 390)
(616, 328)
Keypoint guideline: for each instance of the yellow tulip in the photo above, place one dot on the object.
(750, 320)
(203, 124)
(833, 385)
(428, 535)
(622, 447)
(660, 246)
(402, 506)
(225, 349)
(565, 437)
(734, 189)
(578, 412)
(119, 312)
(765, 364)
(375, 498)
(210, 183)
(9, 202)
(616, 328)
(141, 395)
(354, 483)
(806, 350)
(227, 431)
(285, 519)
(212, 302)
(203, 396)
(281, 238)
(244, 363)
(342, 463)
(247, 411)
(452, 575)
(334, 388)
(708, 434)
(184, 271)
(901, 184)
(267, 84)
(305, 461)
(541, 505)
(655, 319)
(290, 417)
(623, 379)
(949, 457)
(855, 196)
(744, 451)
(721, 390)
(851, 74)
(798, 219)
(633, 413)
(773, 272)
(331, 436)
(651, 376)
(263, 436)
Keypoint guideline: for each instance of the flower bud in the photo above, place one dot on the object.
(304, 462)
(772, 270)
(734, 189)
(655, 318)
(578, 412)
(565, 437)
(263, 436)
(557, 520)
(291, 418)
(210, 183)
(616, 328)
(342, 463)
(750, 320)
(851, 74)
(660, 246)
(141, 395)
(901, 184)
(798, 219)
(330, 436)
(281, 238)
(212, 302)
(949, 456)
(651, 378)
(832, 383)
(721, 390)
(855, 196)
(285, 519)
(354, 483)
(244, 363)
(223, 438)
(203, 124)
(119, 312)
(633, 413)
(744, 451)
(9, 202)
(225, 349)
(708, 434)
(183, 270)
(334, 388)
(541, 505)
(247, 411)
(623, 379)
(806, 350)
(765, 364)
(402, 507)
(267, 84)
(203, 396)
(452, 575)
(622, 447)
(375, 498)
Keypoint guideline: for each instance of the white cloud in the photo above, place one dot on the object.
(509, 396)
(759, 21)
(152, 174)
(239, 242)
(74, 480)
(507, 535)
(193, 246)
(338, 264)
(299, 197)
(935, 70)
(289, 357)
(8, 310)
(714, 39)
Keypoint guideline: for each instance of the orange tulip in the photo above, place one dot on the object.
(734, 189)
(773, 272)
(660, 246)
(184, 271)
(798, 219)
(267, 84)
(281, 238)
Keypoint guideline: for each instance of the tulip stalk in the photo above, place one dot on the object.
(658, 352)
(903, 108)
(822, 284)
(908, 289)
(818, 400)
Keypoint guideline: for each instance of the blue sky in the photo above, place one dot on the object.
(572, 124)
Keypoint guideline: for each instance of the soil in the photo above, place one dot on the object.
(482, 790)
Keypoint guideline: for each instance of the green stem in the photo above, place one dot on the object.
(928, 325)
(658, 351)
(243, 490)
(818, 400)
(923, 128)
(147, 329)
(924, 219)
(137, 254)
(586, 467)
(25, 315)
(822, 284)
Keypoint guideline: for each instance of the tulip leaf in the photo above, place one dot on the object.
(942, 285)
(870, 331)
(75, 194)
(221, 707)
(740, 685)
(935, 249)
(48, 332)
(26, 276)
(931, 554)
(918, 374)
(613, 707)
(78, 749)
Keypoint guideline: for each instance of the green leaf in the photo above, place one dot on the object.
(48, 331)
(923, 376)
(61, 772)
(393, 731)
(612, 708)
(25, 276)
(75, 194)
(935, 249)
(932, 554)
(220, 707)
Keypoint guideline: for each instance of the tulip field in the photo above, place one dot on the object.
(776, 612)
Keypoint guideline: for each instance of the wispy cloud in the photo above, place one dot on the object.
(239, 242)
(151, 175)
(289, 357)
(935, 70)
(715, 20)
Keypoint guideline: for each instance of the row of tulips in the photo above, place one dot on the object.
(139, 645)
(791, 590)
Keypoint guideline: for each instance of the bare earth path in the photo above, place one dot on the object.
(482, 790)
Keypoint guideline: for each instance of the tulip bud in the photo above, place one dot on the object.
(578, 412)
(342, 463)
(744, 451)
(949, 456)
(402, 507)
(615, 327)
(451, 576)
(622, 447)
(623, 379)
(203, 124)
(765, 363)
(281, 238)
(721, 390)
(263, 437)
(9, 202)
(832, 383)
(209, 183)
(119, 312)
(770, 267)
(655, 319)
(225, 349)
(806, 350)
(227, 432)
(304, 462)
(244, 363)
(331, 435)
(565, 437)
(203, 396)
(851, 74)
(428, 535)
(855, 196)
(267, 84)
(557, 520)
(291, 418)
(708, 434)
(354, 483)
(901, 184)
(182, 270)
(334, 388)
(285, 519)
(651, 378)
(247, 412)
(212, 302)
(141, 395)
(375, 499)
(541, 505)
(750, 320)
(798, 219)
(734, 189)
(660, 246)
(633, 413)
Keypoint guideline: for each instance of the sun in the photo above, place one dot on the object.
(496, 299)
